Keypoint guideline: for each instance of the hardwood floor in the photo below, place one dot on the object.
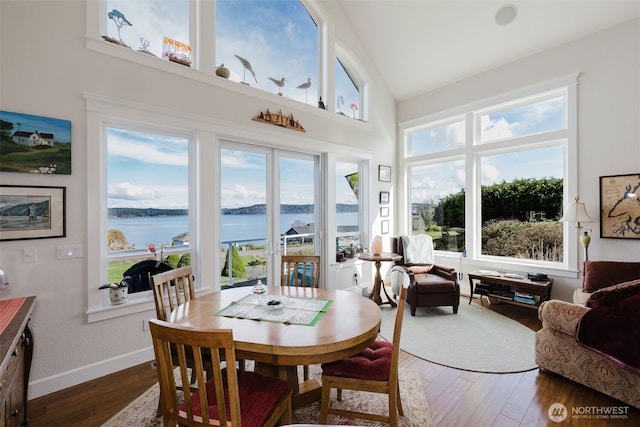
(456, 398)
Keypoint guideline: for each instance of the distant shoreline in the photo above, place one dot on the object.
(246, 210)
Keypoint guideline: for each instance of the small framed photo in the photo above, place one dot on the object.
(384, 227)
(384, 173)
(619, 207)
(384, 197)
(384, 212)
(30, 212)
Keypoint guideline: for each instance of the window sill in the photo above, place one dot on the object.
(137, 305)
(132, 306)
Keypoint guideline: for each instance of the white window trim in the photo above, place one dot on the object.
(569, 267)
(102, 114)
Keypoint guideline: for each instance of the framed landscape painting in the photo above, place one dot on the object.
(30, 212)
(34, 144)
(620, 206)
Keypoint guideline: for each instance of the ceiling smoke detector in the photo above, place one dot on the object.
(506, 14)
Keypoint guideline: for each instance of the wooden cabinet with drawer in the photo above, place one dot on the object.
(16, 350)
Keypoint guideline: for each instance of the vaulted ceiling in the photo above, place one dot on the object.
(419, 45)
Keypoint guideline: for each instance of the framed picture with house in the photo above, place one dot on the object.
(34, 144)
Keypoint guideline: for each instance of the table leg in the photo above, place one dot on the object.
(301, 393)
(471, 294)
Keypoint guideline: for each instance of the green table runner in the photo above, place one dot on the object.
(293, 311)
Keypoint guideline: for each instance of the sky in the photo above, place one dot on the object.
(61, 129)
(433, 182)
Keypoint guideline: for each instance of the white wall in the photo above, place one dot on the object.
(608, 118)
(45, 70)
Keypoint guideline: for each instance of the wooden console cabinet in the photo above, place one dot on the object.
(504, 288)
(16, 350)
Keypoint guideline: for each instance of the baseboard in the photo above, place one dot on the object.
(48, 385)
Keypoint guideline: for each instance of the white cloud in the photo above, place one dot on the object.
(496, 129)
(128, 191)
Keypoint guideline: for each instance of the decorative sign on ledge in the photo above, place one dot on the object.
(279, 119)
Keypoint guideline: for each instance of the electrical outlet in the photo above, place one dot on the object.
(145, 324)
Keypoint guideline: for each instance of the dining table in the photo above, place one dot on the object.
(346, 325)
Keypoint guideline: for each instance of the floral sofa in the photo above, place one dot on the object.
(591, 343)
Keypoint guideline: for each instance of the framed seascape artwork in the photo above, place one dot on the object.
(620, 206)
(29, 212)
(384, 173)
(34, 144)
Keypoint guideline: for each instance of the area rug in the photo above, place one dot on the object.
(475, 339)
(141, 412)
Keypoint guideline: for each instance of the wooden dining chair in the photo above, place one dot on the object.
(229, 397)
(172, 288)
(375, 369)
(300, 271)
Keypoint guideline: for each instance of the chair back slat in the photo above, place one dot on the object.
(397, 332)
(171, 289)
(300, 271)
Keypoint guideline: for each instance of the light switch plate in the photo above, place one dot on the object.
(69, 251)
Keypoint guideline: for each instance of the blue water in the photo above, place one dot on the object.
(141, 231)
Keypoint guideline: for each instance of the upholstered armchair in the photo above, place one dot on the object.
(430, 285)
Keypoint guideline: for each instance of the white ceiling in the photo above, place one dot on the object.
(419, 45)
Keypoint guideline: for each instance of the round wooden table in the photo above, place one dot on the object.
(350, 324)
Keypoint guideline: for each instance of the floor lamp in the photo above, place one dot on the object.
(576, 212)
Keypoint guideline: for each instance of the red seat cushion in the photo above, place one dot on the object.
(373, 363)
(258, 395)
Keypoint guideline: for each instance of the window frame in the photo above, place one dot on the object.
(473, 151)
(101, 116)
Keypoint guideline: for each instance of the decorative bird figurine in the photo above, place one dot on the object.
(278, 83)
(305, 86)
(247, 66)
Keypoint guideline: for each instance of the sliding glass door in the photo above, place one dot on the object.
(269, 207)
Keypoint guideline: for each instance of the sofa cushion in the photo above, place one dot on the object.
(613, 331)
(613, 294)
(433, 284)
(601, 274)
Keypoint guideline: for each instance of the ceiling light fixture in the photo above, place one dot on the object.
(506, 14)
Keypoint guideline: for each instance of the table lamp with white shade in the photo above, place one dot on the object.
(576, 212)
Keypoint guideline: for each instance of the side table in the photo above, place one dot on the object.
(378, 284)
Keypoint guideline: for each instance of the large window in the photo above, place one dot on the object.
(489, 180)
(348, 100)
(271, 45)
(349, 238)
(147, 199)
(145, 25)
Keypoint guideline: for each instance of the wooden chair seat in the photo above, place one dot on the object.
(375, 369)
(231, 397)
